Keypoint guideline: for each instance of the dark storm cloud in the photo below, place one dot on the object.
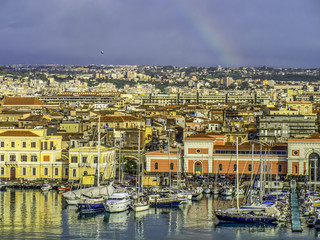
(261, 32)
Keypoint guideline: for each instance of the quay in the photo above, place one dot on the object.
(295, 216)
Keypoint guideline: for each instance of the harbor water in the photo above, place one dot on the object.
(32, 214)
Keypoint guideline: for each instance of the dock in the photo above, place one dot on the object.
(295, 215)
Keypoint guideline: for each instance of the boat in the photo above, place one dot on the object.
(64, 189)
(3, 186)
(215, 191)
(316, 220)
(251, 213)
(91, 207)
(140, 204)
(157, 200)
(46, 187)
(248, 217)
(117, 202)
(226, 191)
(207, 191)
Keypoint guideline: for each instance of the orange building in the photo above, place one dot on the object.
(209, 153)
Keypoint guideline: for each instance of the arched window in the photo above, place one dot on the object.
(220, 167)
(249, 167)
(235, 167)
(171, 166)
(156, 166)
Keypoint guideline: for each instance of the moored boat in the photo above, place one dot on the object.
(157, 200)
(117, 202)
(46, 187)
(140, 204)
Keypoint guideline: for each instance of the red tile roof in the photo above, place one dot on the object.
(11, 133)
(119, 118)
(22, 101)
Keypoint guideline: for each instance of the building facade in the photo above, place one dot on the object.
(31, 155)
(83, 161)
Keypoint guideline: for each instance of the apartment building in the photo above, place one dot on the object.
(31, 154)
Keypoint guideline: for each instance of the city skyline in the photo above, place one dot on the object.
(181, 33)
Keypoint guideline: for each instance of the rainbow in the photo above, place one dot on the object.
(211, 33)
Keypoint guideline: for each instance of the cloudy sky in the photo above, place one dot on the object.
(276, 33)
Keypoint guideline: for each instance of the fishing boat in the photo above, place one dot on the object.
(117, 202)
(63, 188)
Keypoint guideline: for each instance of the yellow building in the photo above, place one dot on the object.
(149, 180)
(70, 127)
(83, 161)
(31, 154)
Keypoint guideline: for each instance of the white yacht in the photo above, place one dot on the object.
(117, 202)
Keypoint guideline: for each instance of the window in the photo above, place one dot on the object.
(34, 158)
(33, 144)
(156, 166)
(13, 144)
(235, 167)
(95, 160)
(12, 157)
(279, 168)
(74, 172)
(56, 171)
(171, 166)
(249, 167)
(220, 167)
(45, 145)
(2, 171)
(45, 171)
(23, 158)
(34, 171)
(74, 159)
(24, 144)
(84, 159)
(2, 158)
(66, 171)
(51, 145)
(24, 171)
(2, 144)
(198, 151)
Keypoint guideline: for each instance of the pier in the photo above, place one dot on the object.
(295, 215)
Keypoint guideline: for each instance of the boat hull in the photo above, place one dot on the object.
(90, 207)
(139, 208)
(112, 208)
(160, 204)
(246, 219)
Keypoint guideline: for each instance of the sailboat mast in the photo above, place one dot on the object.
(261, 169)
(139, 168)
(237, 175)
(169, 159)
(98, 166)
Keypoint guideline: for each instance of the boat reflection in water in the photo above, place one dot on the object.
(30, 214)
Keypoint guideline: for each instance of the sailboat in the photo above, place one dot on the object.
(141, 203)
(94, 205)
(253, 213)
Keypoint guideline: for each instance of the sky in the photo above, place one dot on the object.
(229, 33)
